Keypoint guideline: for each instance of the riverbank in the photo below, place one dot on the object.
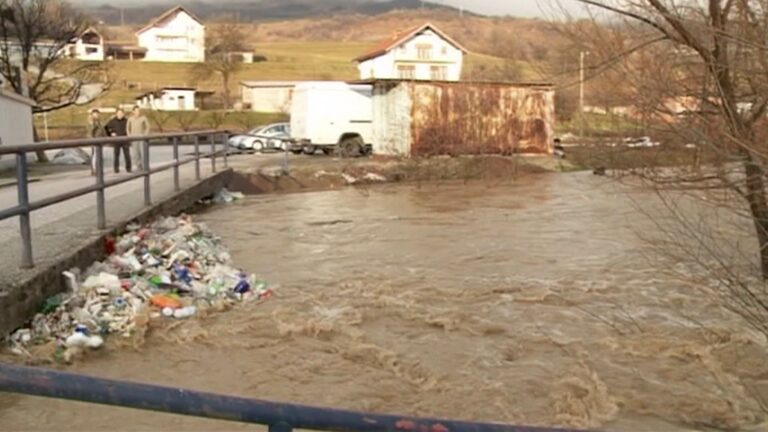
(277, 174)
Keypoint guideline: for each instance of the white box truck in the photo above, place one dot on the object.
(332, 117)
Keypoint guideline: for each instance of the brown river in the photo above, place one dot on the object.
(528, 302)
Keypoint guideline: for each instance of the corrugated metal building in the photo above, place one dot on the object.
(418, 118)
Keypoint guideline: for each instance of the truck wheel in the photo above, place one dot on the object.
(329, 151)
(351, 147)
(310, 150)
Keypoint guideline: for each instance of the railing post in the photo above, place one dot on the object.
(197, 157)
(147, 191)
(24, 222)
(280, 427)
(101, 215)
(226, 151)
(176, 185)
(213, 152)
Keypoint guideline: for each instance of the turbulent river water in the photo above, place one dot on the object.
(529, 302)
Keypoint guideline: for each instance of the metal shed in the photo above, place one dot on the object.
(427, 118)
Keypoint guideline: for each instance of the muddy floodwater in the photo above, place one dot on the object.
(528, 302)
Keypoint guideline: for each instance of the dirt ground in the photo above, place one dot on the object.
(258, 174)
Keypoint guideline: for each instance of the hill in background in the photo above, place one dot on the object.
(117, 13)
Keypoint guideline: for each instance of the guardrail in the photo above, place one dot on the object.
(280, 417)
(24, 208)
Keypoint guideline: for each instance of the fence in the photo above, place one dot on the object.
(280, 417)
(25, 208)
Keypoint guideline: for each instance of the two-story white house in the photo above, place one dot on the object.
(421, 53)
(175, 36)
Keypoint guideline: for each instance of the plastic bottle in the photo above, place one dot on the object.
(182, 274)
(81, 338)
(185, 312)
(243, 284)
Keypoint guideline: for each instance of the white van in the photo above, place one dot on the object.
(330, 116)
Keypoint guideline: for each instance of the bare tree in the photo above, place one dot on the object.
(216, 119)
(161, 119)
(224, 42)
(187, 119)
(33, 35)
(699, 70)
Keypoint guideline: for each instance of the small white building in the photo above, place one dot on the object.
(267, 96)
(88, 47)
(15, 123)
(175, 36)
(169, 99)
(421, 53)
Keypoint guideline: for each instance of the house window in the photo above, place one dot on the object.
(424, 52)
(444, 51)
(406, 72)
(439, 73)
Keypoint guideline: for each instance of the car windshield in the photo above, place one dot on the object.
(256, 131)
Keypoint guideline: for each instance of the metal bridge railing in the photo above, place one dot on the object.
(24, 207)
(280, 417)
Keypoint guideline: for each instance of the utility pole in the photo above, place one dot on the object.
(582, 54)
(122, 16)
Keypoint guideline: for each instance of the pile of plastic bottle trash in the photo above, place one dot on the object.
(170, 270)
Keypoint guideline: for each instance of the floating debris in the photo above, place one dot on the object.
(224, 196)
(172, 268)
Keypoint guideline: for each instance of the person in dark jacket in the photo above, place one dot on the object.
(118, 127)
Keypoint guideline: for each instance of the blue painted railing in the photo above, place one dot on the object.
(279, 417)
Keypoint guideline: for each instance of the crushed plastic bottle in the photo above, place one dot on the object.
(81, 338)
(243, 284)
(185, 312)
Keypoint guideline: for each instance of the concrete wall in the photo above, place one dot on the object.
(441, 55)
(180, 39)
(15, 124)
(462, 118)
(269, 98)
(392, 107)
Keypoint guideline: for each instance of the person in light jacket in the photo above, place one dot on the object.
(94, 129)
(138, 125)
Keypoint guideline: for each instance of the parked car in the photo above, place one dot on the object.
(261, 138)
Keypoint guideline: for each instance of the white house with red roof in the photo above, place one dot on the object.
(175, 36)
(421, 53)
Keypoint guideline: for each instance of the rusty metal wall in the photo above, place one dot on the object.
(480, 118)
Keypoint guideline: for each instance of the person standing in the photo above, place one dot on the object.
(138, 125)
(94, 129)
(118, 127)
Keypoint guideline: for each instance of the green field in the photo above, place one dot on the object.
(285, 61)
